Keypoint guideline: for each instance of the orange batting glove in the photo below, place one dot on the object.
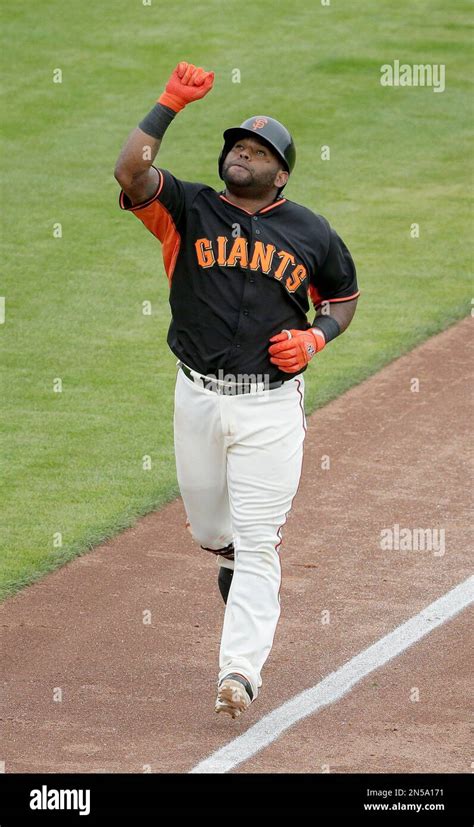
(293, 349)
(186, 84)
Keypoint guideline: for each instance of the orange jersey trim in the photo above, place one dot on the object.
(318, 300)
(164, 228)
(159, 221)
(259, 212)
(272, 206)
(345, 298)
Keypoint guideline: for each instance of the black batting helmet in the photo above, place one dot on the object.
(269, 131)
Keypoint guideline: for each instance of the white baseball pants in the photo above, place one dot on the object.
(238, 460)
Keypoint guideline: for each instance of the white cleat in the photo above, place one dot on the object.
(232, 697)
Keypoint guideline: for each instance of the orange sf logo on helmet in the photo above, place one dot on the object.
(259, 123)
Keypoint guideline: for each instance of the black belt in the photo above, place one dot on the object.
(212, 384)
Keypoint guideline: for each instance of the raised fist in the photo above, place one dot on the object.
(186, 84)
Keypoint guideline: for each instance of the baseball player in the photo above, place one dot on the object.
(243, 265)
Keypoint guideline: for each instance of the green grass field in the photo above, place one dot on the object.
(72, 461)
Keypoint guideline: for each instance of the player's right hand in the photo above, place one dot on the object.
(186, 84)
(291, 350)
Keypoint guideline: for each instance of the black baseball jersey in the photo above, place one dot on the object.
(238, 278)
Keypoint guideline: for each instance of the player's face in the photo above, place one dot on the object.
(252, 167)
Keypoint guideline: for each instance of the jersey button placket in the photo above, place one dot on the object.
(245, 310)
(257, 231)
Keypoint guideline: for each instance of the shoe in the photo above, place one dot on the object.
(224, 581)
(234, 695)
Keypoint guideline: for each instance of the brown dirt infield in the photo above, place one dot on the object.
(138, 695)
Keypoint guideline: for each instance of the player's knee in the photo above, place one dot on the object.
(218, 544)
(208, 537)
(211, 541)
(227, 551)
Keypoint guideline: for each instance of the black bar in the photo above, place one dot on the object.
(433, 799)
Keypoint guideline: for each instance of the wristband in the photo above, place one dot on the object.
(328, 326)
(157, 121)
(173, 102)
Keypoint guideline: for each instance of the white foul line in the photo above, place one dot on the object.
(338, 683)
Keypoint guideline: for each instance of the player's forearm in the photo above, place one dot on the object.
(341, 313)
(133, 169)
(135, 160)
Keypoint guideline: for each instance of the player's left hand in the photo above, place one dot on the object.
(292, 352)
(188, 83)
